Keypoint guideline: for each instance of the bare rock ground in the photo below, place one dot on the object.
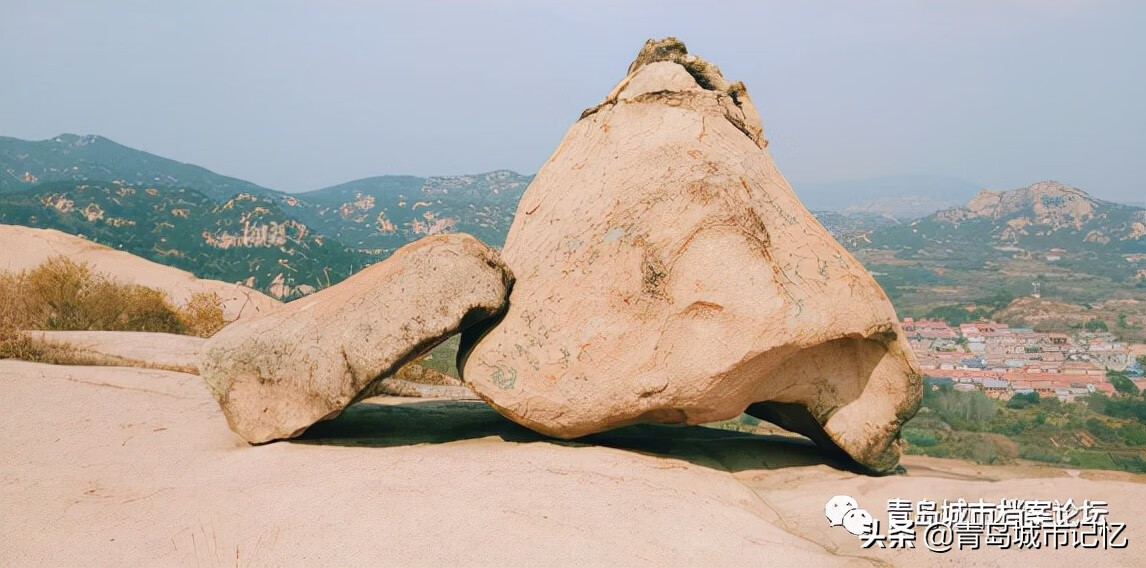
(131, 467)
(160, 349)
(136, 467)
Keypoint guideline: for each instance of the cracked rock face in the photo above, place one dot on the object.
(306, 361)
(667, 273)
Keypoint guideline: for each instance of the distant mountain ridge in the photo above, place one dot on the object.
(1047, 203)
(900, 197)
(373, 216)
(69, 157)
(1038, 217)
(379, 214)
(901, 208)
(247, 238)
(1047, 238)
(234, 230)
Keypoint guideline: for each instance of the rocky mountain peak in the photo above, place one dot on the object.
(76, 141)
(1053, 187)
(1046, 202)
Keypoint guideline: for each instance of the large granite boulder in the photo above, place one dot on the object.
(306, 361)
(666, 272)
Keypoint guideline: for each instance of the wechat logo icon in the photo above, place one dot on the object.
(844, 511)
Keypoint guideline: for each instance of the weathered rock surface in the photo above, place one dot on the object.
(24, 248)
(277, 375)
(132, 347)
(393, 386)
(667, 273)
(106, 466)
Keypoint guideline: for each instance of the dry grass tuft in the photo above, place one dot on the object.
(62, 294)
(65, 295)
(203, 314)
(20, 345)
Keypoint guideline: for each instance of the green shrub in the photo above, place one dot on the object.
(939, 452)
(1040, 453)
(1129, 462)
(1012, 426)
(1133, 434)
(1023, 400)
(1101, 430)
(1090, 459)
(921, 438)
(1121, 382)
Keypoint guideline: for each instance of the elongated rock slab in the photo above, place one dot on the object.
(306, 361)
(668, 273)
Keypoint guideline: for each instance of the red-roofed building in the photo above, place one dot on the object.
(1082, 368)
(928, 329)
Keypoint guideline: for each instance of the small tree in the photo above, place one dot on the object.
(1023, 400)
(1096, 401)
(1122, 383)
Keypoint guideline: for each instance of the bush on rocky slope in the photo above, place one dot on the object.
(65, 295)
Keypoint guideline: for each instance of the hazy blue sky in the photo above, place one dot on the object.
(300, 95)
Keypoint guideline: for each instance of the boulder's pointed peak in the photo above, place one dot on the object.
(659, 50)
(707, 75)
(651, 77)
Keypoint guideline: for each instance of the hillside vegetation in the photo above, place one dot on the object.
(1104, 432)
(377, 215)
(971, 262)
(247, 238)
